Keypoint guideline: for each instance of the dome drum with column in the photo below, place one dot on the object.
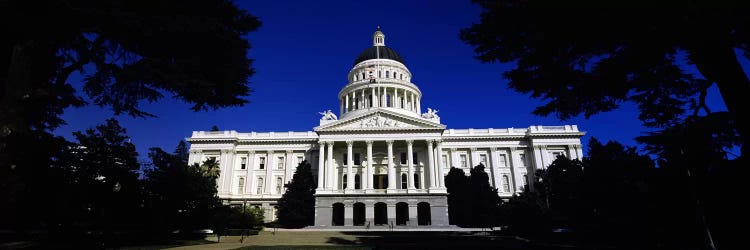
(379, 79)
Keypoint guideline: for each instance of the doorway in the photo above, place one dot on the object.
(381, 214)
(380, 181)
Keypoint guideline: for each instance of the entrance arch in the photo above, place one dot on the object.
(359, 214)
(402, 213)
(424, 218)
(381, 213)
(337, 218)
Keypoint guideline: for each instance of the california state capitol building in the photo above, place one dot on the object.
(383, 158)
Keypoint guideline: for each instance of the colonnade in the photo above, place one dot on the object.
(379, 96)
(327, 170)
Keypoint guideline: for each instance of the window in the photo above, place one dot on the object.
(402, 76)
(357, 182)
(300, 159)
(369, 100)
(356, 103)
(522, 157)
(243, 162)
(363, 75)
(279, 183)
(380, 74)
(262, 163)
(387, 74)
(281, 163)
(403, 157)
(403, 181)
(388, 100)
(416, 181)
(445, 161)
(414, 158)
(463, 161)
(403, 104)
(241, 185)
(506, 184)
(343, 182)
(483, 159)
(557, 154)
(502, 160)
(260, 186)
(357, 160)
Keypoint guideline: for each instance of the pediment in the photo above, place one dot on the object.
(380, 120)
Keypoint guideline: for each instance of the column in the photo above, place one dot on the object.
(329, 166)
(410, 162)
(289, 166)
(494, 165)
(321, 164)
(391, 169)
(374, 102)
(341, 106)
(347, 104)
(349, 163)
(473, 160)
(431, 163)
(441, 176)
(579, 150)
(517, 178)
(269, 170)
(249, 176)
(369, 165)
(419, 106)
(364, 102)
(411, 103)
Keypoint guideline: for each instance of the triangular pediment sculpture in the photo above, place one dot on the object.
(380, 120)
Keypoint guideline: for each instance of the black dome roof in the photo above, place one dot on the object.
(372, 53)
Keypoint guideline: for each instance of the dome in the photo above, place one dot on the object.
(372, 53)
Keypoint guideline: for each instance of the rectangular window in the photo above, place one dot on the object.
(262, 163)
(300, 159)
(346, 159)
(241, 185)
(483, 159)
(522, 157)
(506, 184)
(463, 161)
(357, 160)
(414, 158)
(260, 186)
(281, 163)
(445, 161)
(279, 184)
(403, 158)
(502, 160)
(243, 162)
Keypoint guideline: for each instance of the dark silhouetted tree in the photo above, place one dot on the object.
(484, 199)
(182, 151)
(458, 197)
(297, 205)
(582, 58)
(181, 196)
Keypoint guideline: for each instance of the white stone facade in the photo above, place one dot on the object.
(384, 160)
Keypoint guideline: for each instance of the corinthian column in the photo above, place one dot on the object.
(331, 172)
(431, 163)
(391, 168)
(321, 164)
(349, 163)
(440, 175)
(369, 165)
(410, 161)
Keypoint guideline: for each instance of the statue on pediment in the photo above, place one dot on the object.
(328, 115)
(431, 114)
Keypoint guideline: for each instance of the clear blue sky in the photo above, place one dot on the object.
(304, 50)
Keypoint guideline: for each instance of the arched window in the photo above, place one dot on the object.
(387, 74)
(279, 184)
(506, 184)
(357, 182)
(343, 182)
(363, 75)
(416, 181)
(241, 186)
(260, 186)
(403, 181)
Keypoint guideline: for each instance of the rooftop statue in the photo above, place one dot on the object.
(328, 115)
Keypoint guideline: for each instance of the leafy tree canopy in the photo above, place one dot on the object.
(128, 51)
(586, 58)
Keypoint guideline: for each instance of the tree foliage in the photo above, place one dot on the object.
(180, 196)
(583, 58)
(472, 201)
(297, 204)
